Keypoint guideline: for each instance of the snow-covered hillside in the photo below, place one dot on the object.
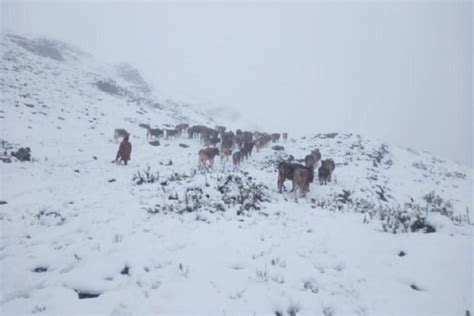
(80, 235)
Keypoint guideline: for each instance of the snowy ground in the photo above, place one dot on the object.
(75, 225)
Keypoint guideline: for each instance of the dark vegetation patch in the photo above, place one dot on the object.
(85, 295)
(22, 154)
(169, 163)
(40, 269)
(421, 225)
(38, 309)
(238, 192)
(325, 136)
(48, 218)
(310, 285)
(110, 87)
(145, 177)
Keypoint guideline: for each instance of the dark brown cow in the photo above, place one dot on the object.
(325, 171)
(196, 130)
(261, 139)
(228, 140)
(181, 128)
(220, 129)
(154, 132)
(170, 133)
(246, 150)
(210, 136)
(247, 137)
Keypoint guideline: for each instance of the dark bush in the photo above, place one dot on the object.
(22, 154)
(145, 177)
(422, 225)
(109, 87)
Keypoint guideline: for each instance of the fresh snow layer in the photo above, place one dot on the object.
(75, 224)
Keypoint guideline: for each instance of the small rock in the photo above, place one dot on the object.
(112, 180)
(183, 145)
(125, 271)
(40, 269)
(415, 287)
(3, 202)
(154, 143)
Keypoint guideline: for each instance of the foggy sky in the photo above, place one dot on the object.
(396, 71)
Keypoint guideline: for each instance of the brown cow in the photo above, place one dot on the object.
(316, 154)
(225, 153)
(261, 139)
(310, 161)
(205, 155)
(301, 180)
(286, 171)
(237, 158)
(275, 137)
(313, 159)
(238, 139)
(210, 136)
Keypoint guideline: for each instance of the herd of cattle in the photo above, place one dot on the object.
(239, 146)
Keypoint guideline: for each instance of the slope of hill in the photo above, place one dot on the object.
(83, 236)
